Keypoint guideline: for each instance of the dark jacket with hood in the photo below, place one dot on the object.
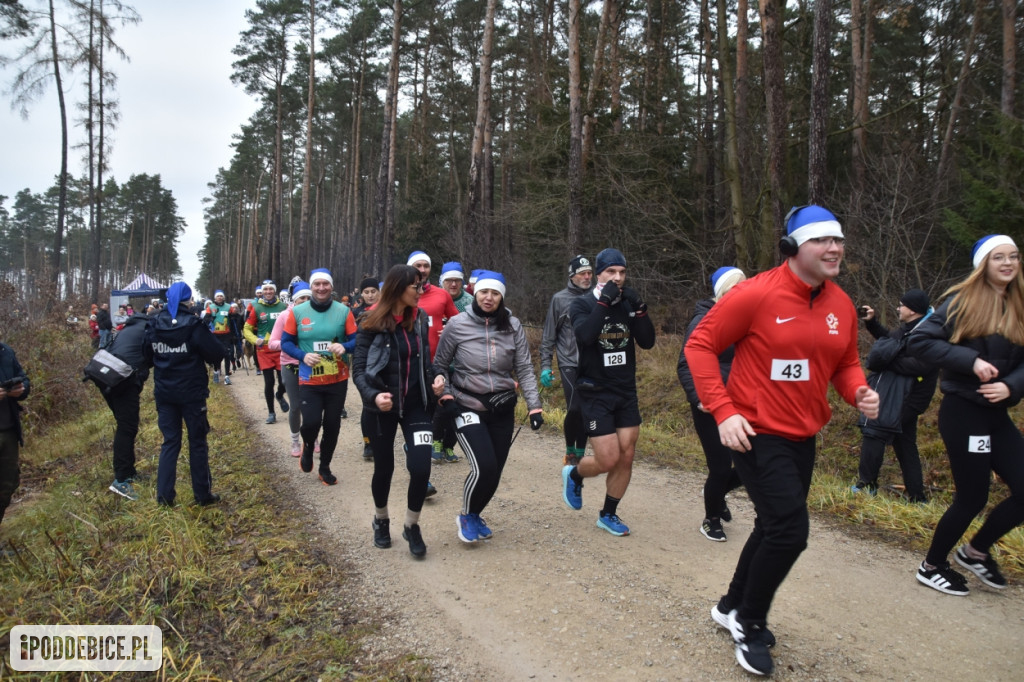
(683, 369)
(179, 352)
(377, 366)
(11, 369)
(930, 343)
(130, 345)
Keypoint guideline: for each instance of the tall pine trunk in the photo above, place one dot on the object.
(301, 259)
(62, 181)
(380, 248)
(817, 160)
(476, 215)
(775, 98)
(575, 133)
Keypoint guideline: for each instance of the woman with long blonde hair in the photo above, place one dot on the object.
(977, 337)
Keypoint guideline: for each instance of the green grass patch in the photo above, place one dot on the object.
(667, 439)
(239, 589)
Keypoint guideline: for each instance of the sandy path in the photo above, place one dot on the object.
(553, 597)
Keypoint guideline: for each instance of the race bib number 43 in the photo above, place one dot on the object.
(790, 370)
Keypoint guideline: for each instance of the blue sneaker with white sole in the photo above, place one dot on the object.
(613, 524)
(467, 528)
(572, 492)
(482, 531)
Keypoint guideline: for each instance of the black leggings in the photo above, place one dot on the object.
(572, 427)
(321, 406)
(486, 440)
(722, 477)
(418, 433)
(268, 387)
(964, 425)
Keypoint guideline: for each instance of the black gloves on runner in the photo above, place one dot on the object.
(536, 421)
(631, 295)
(610, 294)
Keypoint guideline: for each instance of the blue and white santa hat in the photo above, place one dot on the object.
(178, 293)
(217, 293)
(722, 277)
(300, 289)
(475, 275)
(984, 246)
(451, 270)
(812, 222)
(259, 291)
(268, 283)
(490, 280)
(416, 257)
(321, 274)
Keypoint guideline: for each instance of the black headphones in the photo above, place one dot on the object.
(787, 245)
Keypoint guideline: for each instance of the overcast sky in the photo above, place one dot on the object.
(179, 111)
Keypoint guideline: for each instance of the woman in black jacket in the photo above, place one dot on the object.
(977, 337)
(391, 369)
(722, 477)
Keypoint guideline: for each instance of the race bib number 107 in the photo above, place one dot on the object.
(790, 370)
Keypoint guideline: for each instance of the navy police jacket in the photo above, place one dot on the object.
(179, 353)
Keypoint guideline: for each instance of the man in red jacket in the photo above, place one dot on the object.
(794, 331)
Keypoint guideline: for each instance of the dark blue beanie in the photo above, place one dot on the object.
(607, 259)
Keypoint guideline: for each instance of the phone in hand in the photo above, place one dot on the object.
(862, 312)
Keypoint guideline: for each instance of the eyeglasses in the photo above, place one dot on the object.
(419, 287)
(828, 241)
(1002, 258)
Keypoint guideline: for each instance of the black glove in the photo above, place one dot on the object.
(449, 408)
(631, 295)
(536, 421)
(610, 293)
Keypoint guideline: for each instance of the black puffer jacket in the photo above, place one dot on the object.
(377, 366)
(930, 343)
(889, 353)
(129, 345)
(683, 369)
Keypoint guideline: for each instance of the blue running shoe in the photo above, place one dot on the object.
(613, 524)
(467, 528)
(482, 531)
(572, 492)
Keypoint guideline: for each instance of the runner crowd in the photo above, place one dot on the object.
(447, 363)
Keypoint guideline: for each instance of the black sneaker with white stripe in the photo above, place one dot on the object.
(986, 569)
(944, 579)
(751, 645)
(721, 617)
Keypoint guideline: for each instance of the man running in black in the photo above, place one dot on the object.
(608, 326)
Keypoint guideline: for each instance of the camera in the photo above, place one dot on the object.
(11, 383)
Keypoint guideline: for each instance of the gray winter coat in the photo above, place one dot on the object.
(484, 360)
(559, 337)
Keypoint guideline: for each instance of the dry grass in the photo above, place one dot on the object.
(239, 589)
(667, 439)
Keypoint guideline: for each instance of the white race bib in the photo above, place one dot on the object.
(321, 346)
(430, 320)
(790, 370)
(466, 419)
(981, 444)
(422, 438)
(273, 316)
(615, 359)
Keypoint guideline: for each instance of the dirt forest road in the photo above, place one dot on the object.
(552, 597)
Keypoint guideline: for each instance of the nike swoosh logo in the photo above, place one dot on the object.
(779, 320)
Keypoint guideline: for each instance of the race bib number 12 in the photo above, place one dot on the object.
(790, 370)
